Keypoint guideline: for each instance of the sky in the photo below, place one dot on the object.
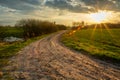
(60, 11)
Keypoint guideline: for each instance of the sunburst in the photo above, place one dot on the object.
(100, 16)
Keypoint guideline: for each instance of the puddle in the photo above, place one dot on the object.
(12, 39)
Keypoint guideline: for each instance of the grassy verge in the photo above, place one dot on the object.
(101, 43)
(8, 50)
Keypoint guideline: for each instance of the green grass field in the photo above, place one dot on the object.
(101, 43)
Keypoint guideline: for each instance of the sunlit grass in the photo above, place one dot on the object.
(102, 43)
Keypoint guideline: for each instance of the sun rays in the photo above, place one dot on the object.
(102, 26)
(100, 19)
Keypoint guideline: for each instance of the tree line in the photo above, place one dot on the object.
(33, 27)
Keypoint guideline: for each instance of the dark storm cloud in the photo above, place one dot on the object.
(65, 5)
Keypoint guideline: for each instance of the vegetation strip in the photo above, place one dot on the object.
(8, 50)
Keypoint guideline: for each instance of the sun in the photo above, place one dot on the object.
(99, 16)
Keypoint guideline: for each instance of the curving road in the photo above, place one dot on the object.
(48, 59)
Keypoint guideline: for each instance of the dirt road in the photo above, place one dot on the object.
(47, 59)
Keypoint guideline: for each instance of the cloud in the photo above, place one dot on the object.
(77, 6)
(69, 5)
(10, 16)
(113, 5)
(13, 10)
(81, 6)
(33, 2)
(23, 5)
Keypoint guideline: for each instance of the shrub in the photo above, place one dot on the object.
(33, 27)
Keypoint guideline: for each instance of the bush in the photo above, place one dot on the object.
(33, 27)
